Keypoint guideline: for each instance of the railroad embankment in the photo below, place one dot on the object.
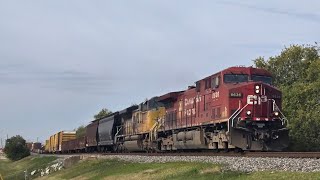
(156, 167)
(29, 167)
(144, 167)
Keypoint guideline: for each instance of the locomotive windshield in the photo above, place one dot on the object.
(235, 78)
(265, 79)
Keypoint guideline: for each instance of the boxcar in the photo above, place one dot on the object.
(57, 140)
(47, 146)
(65, 148)
(80, 144)
(36, 147)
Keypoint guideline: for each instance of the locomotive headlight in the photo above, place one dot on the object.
(276, 113)
(249, 113)
(257, 87)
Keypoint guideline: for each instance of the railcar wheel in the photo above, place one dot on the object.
(238, 150)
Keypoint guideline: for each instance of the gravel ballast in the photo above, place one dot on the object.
(244, 164)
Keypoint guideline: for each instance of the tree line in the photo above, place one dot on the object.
(296, 72)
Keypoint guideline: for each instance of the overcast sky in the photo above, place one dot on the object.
(62, 61)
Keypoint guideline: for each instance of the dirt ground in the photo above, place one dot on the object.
(2, 156)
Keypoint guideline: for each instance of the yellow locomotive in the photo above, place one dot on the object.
(138, 130)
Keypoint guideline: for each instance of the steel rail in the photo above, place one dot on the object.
(313, 155)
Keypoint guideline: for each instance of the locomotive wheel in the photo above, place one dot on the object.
(225, 147)
(216, 147)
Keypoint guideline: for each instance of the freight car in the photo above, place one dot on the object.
(46, 146)
(237, 108)
(36, 147)
(55, 141)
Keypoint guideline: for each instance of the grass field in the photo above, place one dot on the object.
(15, 170)
(113, 169)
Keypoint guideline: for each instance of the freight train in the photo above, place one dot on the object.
(237, 108)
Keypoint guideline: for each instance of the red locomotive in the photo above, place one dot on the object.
(237, 108)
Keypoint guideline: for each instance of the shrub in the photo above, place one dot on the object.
(16, 148)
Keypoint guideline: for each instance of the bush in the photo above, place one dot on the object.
(296, 73)
(16, 148)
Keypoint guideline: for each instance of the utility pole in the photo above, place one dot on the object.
(1, 144)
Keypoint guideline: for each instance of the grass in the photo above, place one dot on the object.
(114, 169)
(15, 170)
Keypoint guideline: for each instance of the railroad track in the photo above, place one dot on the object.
(232, 154)
(313, 155)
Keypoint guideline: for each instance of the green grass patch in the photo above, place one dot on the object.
(116, 169)
(113, 169)
(15, 170)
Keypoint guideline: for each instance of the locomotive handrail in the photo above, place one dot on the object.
(118, 130)
(159, 122)
(235, 114)
(284, 119)
(239, 113)
(152, 130)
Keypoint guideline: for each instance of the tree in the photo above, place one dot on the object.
(16, 148)
(80, 131)
(291, 65)
(296, 72)
(104, 112)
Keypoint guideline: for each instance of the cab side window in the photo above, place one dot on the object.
(215, 82)
(208, 83)
(198, 84)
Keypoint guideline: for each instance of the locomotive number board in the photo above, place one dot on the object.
(235, 95)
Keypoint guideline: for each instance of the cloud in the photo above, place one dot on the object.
(301, 15)
(69, 80)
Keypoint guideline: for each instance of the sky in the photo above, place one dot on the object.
(62, 61)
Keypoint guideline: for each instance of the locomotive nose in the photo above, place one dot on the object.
(262, 102)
